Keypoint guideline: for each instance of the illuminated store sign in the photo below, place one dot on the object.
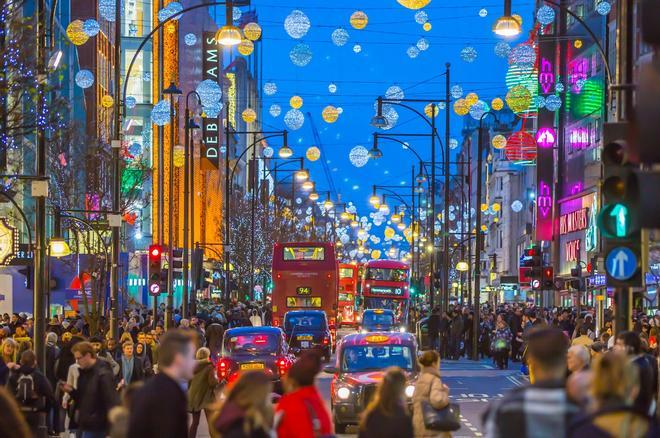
(574, 221)
(546, 137)
(546, 76)
(211, 127)
(572, 250)
(578, 138)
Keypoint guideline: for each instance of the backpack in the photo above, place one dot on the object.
(25, 390)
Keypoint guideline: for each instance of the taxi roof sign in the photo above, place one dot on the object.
(379, 311)
(377, 339)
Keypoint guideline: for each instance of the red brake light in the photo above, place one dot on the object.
(329, 276)
(282, 366)
(223, 368)
(326, 341)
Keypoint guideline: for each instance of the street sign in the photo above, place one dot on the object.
(621, 263)
(154, 289)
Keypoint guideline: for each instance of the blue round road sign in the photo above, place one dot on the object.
(621, 263)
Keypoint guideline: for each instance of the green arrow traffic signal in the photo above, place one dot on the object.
(620, 214)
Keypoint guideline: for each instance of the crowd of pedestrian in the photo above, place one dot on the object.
(158, 383)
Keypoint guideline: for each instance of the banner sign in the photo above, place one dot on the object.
(211, 126)
(546, 141)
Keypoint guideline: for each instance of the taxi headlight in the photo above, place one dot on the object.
(363, 331)
(358, 319)
(402, 329)
(410, 391)
(344, 393)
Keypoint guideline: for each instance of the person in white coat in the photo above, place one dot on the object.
(429, 388)
(255, 319)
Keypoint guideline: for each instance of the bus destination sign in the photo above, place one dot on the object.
(383, 290)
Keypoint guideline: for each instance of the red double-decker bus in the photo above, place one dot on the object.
(386, 285)
(304, 277)
(348, 289)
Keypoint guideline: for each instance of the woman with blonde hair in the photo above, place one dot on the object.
(387, 413)
(614, 387)
(429, 389)
(8, 355)
(247, 411)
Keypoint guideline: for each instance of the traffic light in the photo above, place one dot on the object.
(177, 263)
(155, 270)
(548, 278)
(27, 272)
(618, 219)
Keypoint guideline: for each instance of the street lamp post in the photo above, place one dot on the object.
(188, 178)
(173, 92)
(478, 241)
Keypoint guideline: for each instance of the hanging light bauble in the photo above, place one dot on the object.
(76, 33)
(520, 146)
(296, 102)
(252, 31)
(330, 114)
(245, 47)
(518, 98)
(249, 115)
(297, 24)
(313, 153)
(498, 141)
(359, 20)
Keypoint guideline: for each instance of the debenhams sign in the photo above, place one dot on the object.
(211, 125)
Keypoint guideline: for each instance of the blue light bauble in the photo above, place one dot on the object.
(268, 152)
(297, 24)
(294, 119)
(84, 79)
(483, 13)
(453, 143)
(300, 55)
(422, 44)
(213, 110)
(339, 37)
(91, 27)
(545, 15)
(130, 102)
(523, 56)
(421, 17)
(394, 93)
(107, 10)
(190, 39)
(552, 103)
(135, 149)
(478, 109)
(502, 49)
(209, 92)
(359, 156)
(236, 13)
(559, 87)
(469, 54)
(456, 91)
(604, 7)
(275, 110)
(412, 52)
(270, 88)
(160, 113)
(357, 48)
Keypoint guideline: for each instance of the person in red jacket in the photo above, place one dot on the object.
(301, 411)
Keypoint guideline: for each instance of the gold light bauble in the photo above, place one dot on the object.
(497, 104)
(471, 99)
(313, 153)
(414, 4)
(375, 254)
(75, 33)
(249, 115)
(107, 101)
(518, 98)
(484, 228)
(330, 114)
(428, 109)
(496, 219)
(461, 107)
(498, 141)
(496, 206)
(359, 20)
(245, 47)
(389, 232)
(484, 207)
(296, 102)
(252, 31)
(577, 44)
(179, 156)
(170, 28)
(427, 26)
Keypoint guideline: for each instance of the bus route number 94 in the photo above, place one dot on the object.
(304, 290)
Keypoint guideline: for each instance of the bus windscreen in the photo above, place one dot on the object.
(386, 274)
(304, 253)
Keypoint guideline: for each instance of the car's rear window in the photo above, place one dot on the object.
(250, 343)
(378, 318)
(304, 321)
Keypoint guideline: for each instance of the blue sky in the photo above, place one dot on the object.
(361, 77)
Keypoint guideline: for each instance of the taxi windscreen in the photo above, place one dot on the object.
(302, 321)
(360, 358)
(378, 318)
(251, 343)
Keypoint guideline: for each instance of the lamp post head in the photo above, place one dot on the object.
(462, 266)
(228, 35)
(58, 247)
(313, 196)
(375, 153)
(285, 151)
(379, 121)
(172, 90)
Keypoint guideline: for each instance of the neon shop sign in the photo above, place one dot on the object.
(546, 76)
(572, 248)
(546, 137)
(578, 138)
(544, 200)
(574, 221)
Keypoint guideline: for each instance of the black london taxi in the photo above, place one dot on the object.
(360, 365)
(254, 348)
(380, 320)
(308, 330)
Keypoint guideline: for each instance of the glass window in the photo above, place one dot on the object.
(400, 307)
(137, 86)
(250, 343)
(137, 18)
(378, 318)
(386, 274)
(346, 273)
(375, 357)
(305, 253)
(309, 321)
(346, 297)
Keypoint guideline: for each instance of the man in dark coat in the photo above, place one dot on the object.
(455, 335)
(433, 326)
(159, 408)
(95, 394)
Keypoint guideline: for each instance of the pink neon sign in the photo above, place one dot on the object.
(578, 138)
(544, 200)
(546, 76)
(577, 73)
(546, 137)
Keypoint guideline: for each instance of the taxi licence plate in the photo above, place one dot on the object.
(304, 337)
(252, 366)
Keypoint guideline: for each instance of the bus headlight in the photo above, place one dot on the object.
(410, 391)
(344, 393)
(402, 329)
